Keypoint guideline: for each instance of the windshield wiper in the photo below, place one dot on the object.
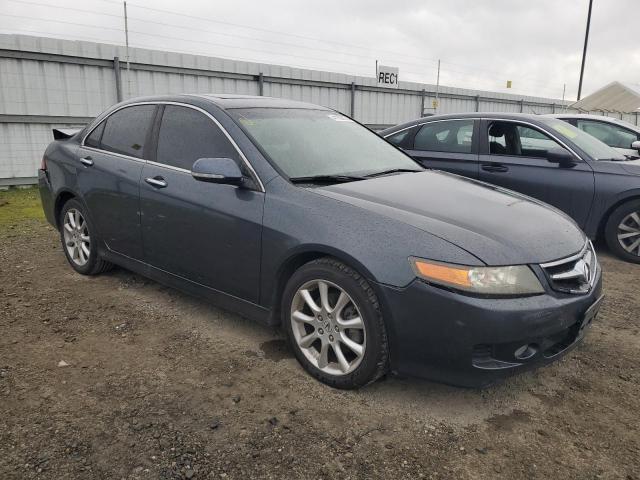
(326, 179)
(393, 170)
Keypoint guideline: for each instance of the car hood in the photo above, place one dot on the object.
(498, 226)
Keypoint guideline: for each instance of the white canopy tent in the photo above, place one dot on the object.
(614, 97)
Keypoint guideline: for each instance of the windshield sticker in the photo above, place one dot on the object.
(567, 132)
(339, 118)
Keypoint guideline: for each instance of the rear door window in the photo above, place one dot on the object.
(126, 130)
(454, 136)
(186, 135)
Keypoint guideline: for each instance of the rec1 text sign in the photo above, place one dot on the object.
(387, 76)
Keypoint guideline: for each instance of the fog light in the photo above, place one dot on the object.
(525, 352)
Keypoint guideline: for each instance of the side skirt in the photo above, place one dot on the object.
(219, 299)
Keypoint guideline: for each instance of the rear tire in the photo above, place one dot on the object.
(622, 231)
(335, 307)
(79, 240)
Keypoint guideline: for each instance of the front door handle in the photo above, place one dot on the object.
(494, 167)
(157, 182)
(87, 161)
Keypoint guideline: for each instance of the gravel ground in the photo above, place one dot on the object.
(119, 377)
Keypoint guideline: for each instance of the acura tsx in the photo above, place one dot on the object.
(295, 215)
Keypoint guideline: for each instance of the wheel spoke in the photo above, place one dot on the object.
(342, 302)
(342, 361)
(324, 295)
(85, 238)
(355, 322)
(627, 228)
(636, 218)
(323, 358)
(306, 341)
(355, 347)
(78, 219)
(627, 235)
(71, 218)
(68, 227)
(308, 299)
(301, 317)
(86, 250)
(633, 246)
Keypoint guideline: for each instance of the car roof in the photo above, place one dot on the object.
(454, 116)
(229, 101)
(601, 118)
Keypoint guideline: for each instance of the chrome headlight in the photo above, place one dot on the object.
(511, 280)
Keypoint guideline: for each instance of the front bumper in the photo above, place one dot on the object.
(468, 341)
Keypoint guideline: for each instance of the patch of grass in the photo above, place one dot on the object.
(18, 205)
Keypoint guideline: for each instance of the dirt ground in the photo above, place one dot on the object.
(119, 377)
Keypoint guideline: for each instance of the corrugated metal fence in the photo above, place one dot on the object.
(47, 82)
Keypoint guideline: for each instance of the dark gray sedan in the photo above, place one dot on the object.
(294, 214)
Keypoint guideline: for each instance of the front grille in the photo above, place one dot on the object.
(575, 274)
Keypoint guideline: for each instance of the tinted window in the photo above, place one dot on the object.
(187, 135)
(506, 138)
(612, 135)
(93, 140)
(450, 136)
(126, 130)
(398, 138)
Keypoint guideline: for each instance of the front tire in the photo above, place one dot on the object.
(334, 323)
(622, 231)
(79, 240)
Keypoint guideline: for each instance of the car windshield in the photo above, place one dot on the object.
(591, 145)
(311, 143)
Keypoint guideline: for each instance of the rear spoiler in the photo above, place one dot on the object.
(64, 133)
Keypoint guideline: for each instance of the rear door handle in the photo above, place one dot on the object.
(87, 161)
(157, 182)
(494, 167)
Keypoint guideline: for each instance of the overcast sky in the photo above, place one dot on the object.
(537, 44)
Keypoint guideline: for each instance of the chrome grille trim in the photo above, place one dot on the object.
(575, 274)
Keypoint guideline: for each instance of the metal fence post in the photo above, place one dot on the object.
(353, 99)
(260, 84)
(553, 108)
(116, 72)
(636, 118)
(422, 94)
(522, 105)
(477, 103)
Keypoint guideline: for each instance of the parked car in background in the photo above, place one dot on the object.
(542, 157)
(621, 135)
(294, 214)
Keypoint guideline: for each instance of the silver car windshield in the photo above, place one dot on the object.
(591, 145)
(305, 142)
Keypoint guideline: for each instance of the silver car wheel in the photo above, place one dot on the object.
(328, 327)
(629, 233)
(76, 237)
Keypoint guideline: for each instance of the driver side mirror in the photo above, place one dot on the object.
(562, 157)
(636, 145)
(217, 170)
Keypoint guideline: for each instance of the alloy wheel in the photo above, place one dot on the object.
(328, 327)
(629, 233)
(76, 237)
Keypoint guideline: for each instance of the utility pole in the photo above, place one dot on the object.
(435, 109)
(564, 90)
(584, 50)
(126, 37)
